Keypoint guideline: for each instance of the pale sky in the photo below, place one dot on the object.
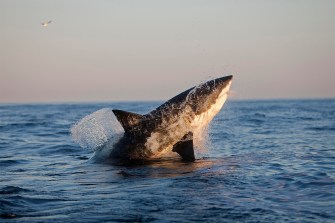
(109, 50)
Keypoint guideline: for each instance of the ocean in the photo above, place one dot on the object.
(263, 161)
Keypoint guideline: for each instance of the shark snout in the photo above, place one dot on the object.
(226, 83)
(213, 88)
(224, 80)
(222, 83)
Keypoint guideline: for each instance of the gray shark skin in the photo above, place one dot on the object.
(171, 126)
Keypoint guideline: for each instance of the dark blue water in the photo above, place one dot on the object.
(267, 161)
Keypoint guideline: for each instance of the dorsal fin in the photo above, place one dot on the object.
(127, 119)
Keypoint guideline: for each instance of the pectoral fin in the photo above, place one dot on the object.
(185, 147)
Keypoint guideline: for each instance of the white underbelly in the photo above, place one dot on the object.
(163, 140)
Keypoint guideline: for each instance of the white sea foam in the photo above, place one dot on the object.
(96, 129)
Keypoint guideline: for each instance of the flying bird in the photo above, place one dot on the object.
(45, 24)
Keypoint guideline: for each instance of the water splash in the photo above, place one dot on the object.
(95, 130)
(201, 140)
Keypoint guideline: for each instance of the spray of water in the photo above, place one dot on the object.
(96, 129)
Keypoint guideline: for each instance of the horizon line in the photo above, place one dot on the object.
(160, 100)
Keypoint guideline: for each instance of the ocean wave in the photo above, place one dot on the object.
(12, 190)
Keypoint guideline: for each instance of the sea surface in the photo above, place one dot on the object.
(264, 161)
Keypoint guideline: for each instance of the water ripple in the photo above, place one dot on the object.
(268, 161)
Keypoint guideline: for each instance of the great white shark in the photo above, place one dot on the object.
(170, 126)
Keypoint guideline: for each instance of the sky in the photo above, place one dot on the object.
(127, 50)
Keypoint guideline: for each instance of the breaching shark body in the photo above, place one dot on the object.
(170, 127)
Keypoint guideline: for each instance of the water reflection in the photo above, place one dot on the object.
(170, 168)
